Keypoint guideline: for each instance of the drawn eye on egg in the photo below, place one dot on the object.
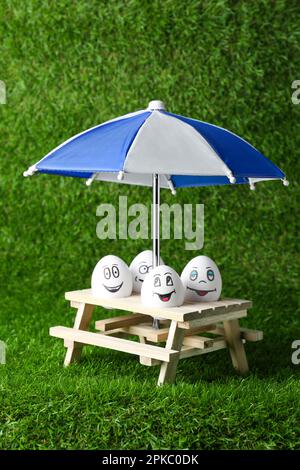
(210, 275)
(144, 269)
(115, 271)
(107, 273)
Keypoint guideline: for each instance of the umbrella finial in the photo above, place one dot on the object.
(231, 178)
(156, 105)
(285, 182)
(171, 186)
(31, 170)
(90, 180)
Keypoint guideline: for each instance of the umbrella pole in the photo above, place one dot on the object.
(155, 228)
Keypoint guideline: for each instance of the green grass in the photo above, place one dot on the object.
(70, 65)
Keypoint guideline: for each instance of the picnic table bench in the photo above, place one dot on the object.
(182, 333)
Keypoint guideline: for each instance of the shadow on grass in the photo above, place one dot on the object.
(270, 358)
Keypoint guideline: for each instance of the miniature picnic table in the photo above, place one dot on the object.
(183, 331)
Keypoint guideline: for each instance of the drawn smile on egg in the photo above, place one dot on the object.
(201, 292)
(113, 288)
(165, 297)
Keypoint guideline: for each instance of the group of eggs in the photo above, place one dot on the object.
(159, 287)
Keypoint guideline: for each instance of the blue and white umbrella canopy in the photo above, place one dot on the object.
(156, 148)
(183, 151)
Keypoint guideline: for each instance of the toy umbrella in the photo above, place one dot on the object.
(153, 147)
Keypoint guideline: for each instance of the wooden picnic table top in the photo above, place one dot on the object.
(188, 312)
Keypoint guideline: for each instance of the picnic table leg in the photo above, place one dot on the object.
(236, 347)
(168, 369)
(147, 361)
(144, 360)
(82, 321)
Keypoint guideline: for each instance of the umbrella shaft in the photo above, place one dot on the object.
(156, 220)
(155, 229)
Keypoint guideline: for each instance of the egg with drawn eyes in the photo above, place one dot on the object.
(111, 278)
(202, 280)
(139, 267)
(162, 288)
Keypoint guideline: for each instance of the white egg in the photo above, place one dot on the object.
(202, 280)
(111, 278)
(140, 266)
(162, 288)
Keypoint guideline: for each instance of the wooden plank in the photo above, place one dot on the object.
(212, 313)
(83, 316)
(252, 335)
(160, 335)
(189, 351)
(235, 344)
(246, 333)
(82, 321)
(125, 332)
(121, 321)
(217, 318)
(141, 329)
(168, 370)
(147, 361)
(227, 304)
(200, 342)
(201, 329)
(188, 311)
(98, 339)
(116, 333)
(150, 333)
(245, 304)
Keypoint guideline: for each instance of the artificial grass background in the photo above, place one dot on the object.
(70, 65)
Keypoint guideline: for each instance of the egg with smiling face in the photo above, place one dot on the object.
(162, 288)
(111, 278)
(202, 280)
(139, 267)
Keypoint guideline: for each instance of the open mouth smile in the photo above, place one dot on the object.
(201, 293)
(165, 297)
(114, 288)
